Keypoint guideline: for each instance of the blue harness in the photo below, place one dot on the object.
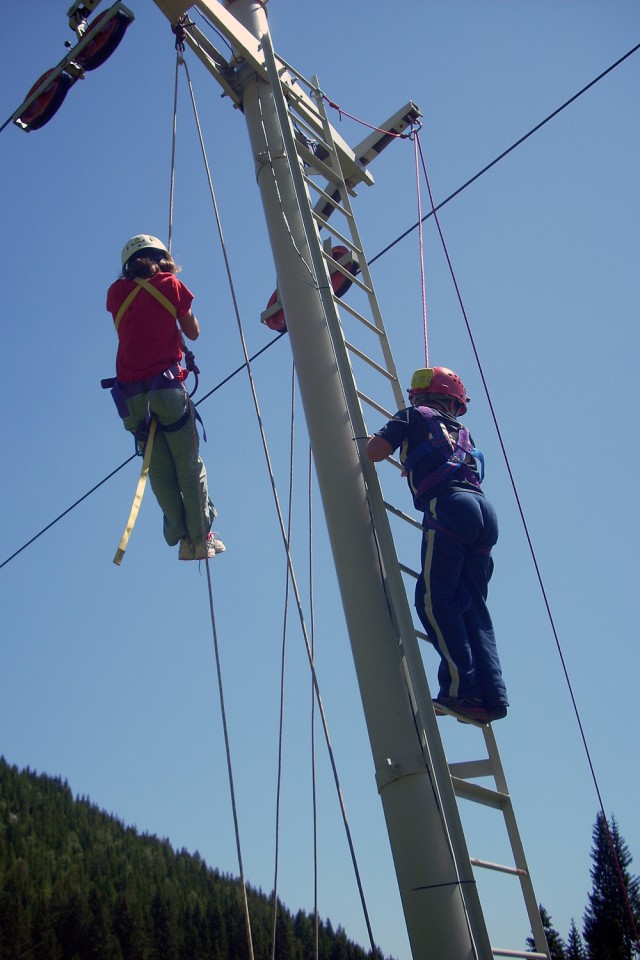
(454, 455)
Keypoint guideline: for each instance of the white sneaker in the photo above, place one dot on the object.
(207, 550)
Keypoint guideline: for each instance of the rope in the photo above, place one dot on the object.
(282, 673)
(390, 133)
(174, 131)
(303, 623)
(527, 535)
(179, 31)
(180, 34)
(421, 252)
(314, 799)
(229, 765)
(505, 153)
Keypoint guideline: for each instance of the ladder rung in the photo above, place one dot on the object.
(359, 283)
(313, 136)
(372, 403)
(499, 867)
(358, 316)
(470, 769)
(333, 201)
(372, 363)
(340, 236)
(524, 954)
(471, 791)
(319, 166)
(403, 516)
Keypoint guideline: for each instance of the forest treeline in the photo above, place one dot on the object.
(77, 884)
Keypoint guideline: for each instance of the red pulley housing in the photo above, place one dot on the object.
(339, 282)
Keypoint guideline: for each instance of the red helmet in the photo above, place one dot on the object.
(441, 381)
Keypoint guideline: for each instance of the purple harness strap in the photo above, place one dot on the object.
(457, 454)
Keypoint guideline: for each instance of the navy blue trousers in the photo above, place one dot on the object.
(459, 530)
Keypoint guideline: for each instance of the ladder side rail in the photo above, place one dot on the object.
(539, 935)
(364, 267)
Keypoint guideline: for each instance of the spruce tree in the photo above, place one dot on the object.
(608, 928)
(575, 947)
(554, 940)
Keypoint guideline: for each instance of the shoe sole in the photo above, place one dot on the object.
(480, 717)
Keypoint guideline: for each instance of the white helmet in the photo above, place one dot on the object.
(139, 242)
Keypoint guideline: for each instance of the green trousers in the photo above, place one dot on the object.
(177, 474)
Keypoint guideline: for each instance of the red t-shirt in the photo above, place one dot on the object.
(148, 336)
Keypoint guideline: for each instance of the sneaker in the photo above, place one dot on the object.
(471, 708)
(200, 551)
(207, 550)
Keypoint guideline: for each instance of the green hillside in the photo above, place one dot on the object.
(77, 884)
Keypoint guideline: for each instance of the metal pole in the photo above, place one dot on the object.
(429, 883)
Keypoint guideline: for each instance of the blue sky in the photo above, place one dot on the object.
(108, 675)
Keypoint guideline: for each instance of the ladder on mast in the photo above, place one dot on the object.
(319, 159)
(294, 144)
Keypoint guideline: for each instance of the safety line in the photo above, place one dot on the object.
(283, 659)
(423, 287)
(174, 131)
(281, 524)
(229, 765)
(529, 541)
(314, 797)
(505, 153)
(247, 917)
(133, 456)
(298, 600)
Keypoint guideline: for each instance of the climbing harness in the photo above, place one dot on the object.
(454, 452)
(146, 429)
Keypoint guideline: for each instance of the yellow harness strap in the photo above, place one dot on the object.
(126, 303)
(137, 500)
(143, 284)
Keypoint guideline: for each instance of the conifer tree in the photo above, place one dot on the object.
(554, 940)
(575, 947)
(611, 919)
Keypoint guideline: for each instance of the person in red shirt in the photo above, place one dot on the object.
(151, 311)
